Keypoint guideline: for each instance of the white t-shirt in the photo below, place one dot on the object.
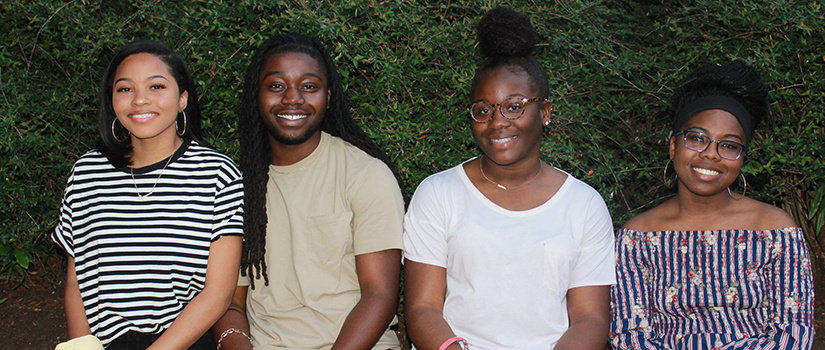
(508, 272)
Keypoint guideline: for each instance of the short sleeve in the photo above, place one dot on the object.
(63, 233)
(377, 209)
(596, 264)
(425, 227)
(227, 218)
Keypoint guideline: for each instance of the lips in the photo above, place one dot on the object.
(503, 139)
(293, 116)
(704, 171)
(142, 116)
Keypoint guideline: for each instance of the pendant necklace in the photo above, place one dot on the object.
(502, 186)
(143, 196)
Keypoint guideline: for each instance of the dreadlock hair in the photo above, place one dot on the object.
(733, 80)
(507, 39)
(118, 151)
(255, 156)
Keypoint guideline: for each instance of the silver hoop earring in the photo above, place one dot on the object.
(180, 133)
(664, 176)
(744, 191)
(114, 134)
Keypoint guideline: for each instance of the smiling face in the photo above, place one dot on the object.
(292, 97)
(502, 140)
(706, 173)
(146, 99)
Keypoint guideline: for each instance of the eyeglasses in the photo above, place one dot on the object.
(511, 108)
(699, 142)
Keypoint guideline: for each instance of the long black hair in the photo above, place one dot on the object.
(255, 156)
(507, 39)
(118, 151)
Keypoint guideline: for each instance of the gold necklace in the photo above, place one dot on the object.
(502, 186)
(142, 196)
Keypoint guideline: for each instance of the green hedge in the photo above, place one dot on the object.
(407, 68)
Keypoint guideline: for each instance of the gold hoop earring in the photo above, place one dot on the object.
(664, 176)
(114, 134)
(180, 133)
(744, 191)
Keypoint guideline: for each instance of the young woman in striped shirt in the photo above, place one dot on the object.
(152, 219)
(711, 268)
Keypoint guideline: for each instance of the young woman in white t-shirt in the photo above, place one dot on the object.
(504, 250)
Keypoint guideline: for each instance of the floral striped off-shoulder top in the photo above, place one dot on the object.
(718, 289)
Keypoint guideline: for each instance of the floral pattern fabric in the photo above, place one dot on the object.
(718, 289)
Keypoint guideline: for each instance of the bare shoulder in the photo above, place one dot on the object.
(766, 216)
(651, 220)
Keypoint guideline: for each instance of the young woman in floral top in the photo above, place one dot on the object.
(711, 268)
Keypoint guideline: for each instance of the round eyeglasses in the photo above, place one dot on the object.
(699, 142)
(512, 108)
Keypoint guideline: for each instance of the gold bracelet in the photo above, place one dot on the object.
(230, 331)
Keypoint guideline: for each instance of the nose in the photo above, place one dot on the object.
(712, 151)
(140, 98)
(292, 97)
(498, 120)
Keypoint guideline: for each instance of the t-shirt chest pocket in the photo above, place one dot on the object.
(329, 238)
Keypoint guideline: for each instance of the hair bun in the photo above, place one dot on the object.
(504, 32)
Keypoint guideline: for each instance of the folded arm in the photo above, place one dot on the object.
(212, 302)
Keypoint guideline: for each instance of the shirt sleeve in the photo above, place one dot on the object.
(425, 227)
(63, 234)
(227, 218)
(630, 327)
(596, 263)
(377, 209)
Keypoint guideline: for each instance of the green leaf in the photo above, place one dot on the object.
(817, 207)
(4, 249)
(23, 257)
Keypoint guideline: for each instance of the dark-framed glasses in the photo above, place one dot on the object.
(511, 108)
(699, 142)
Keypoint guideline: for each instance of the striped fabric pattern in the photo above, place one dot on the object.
(720, 289)
(140, 261)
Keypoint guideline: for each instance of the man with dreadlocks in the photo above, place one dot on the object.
(323, 212)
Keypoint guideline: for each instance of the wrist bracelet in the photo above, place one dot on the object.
(461, 342)
(230, 331)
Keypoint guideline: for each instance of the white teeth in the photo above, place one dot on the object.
(706, 171)
(142, 116)
(292, 116)
(503, 140)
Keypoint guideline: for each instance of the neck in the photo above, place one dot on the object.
(693, 205)
(510, 176)
(284, 154)
(146, 153)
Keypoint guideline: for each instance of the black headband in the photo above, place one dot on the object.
(722, 102)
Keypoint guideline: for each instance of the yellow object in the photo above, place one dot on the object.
(86, 342)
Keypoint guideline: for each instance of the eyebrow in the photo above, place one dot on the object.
(147, 79)
(505, 98)
(277, 72)
(705, 131)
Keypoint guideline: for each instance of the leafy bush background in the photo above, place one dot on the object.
(407, 67)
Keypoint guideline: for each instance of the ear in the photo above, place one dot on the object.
(183, 100)
(672, 148)
(329, 94)
(546, 109)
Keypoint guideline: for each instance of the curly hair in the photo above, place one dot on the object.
(118, 151)
(733, 80)
(507, 38)
(255, 150)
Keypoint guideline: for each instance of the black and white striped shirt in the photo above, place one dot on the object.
(140, 261)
